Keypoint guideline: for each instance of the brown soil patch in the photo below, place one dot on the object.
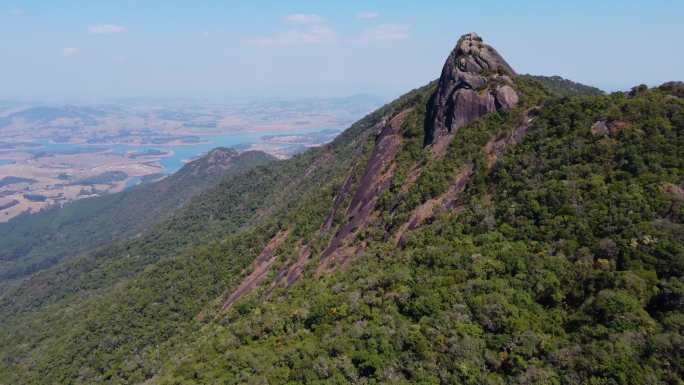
(618, 125)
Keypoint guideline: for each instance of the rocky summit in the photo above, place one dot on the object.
(475, 81)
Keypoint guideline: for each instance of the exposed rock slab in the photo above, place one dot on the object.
(289, 274)
(494, 149)
(260, 269)
(430, 207)
(475, 81)
(375, 179)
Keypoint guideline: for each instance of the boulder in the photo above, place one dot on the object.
(599, 128)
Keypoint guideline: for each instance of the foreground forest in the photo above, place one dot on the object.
(540, 242)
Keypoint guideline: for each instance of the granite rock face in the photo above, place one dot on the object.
(475, 81)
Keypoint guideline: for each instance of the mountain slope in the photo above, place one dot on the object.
(34, 242)
(561, 264)
(559, 261)
(477, 237)
(197, 252)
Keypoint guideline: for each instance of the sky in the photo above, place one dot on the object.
(98, 50)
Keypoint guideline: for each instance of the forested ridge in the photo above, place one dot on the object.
(34, 242)
(540, 242)
(563, 264)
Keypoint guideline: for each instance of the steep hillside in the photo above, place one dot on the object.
(34, 242)
(190, 259)
(478, 230)
(562, 263)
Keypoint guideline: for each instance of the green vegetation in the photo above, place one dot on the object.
(104, 178)
(8, 180)
(564, 87)
(560, 263)
(34, 242)
(565, 266)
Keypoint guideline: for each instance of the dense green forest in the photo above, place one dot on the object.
(564, 87)
(34, 242)
(564, 265)
(545, 246)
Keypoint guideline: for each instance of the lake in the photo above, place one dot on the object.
(180, 154)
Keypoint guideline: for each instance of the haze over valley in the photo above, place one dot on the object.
(53, 154)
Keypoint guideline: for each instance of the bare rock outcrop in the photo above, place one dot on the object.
(475, 81)
(375, 180)
(260, 269)
(599, 128)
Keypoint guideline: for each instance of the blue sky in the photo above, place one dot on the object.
(99, 50)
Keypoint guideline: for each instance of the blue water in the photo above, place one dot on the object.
(4, 162)
(132, 182)
(180, 153)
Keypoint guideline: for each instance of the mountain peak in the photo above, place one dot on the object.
(211, 164)
(475, 81)
(473, 55)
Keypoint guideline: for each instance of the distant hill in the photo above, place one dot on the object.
(47, 114)
(564, 87)
(36, 241)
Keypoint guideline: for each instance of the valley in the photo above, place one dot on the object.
(65, 153)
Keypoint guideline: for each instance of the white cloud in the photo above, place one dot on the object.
(316, 34)
(307, 29)
(70, 51)
(365, 15)
(304, 18)
(385, 32)
(106, 29)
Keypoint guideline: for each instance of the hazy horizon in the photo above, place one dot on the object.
(172, 100)
(78, 51)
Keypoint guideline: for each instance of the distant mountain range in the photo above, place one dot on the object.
(75, 151)
(486, 228)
